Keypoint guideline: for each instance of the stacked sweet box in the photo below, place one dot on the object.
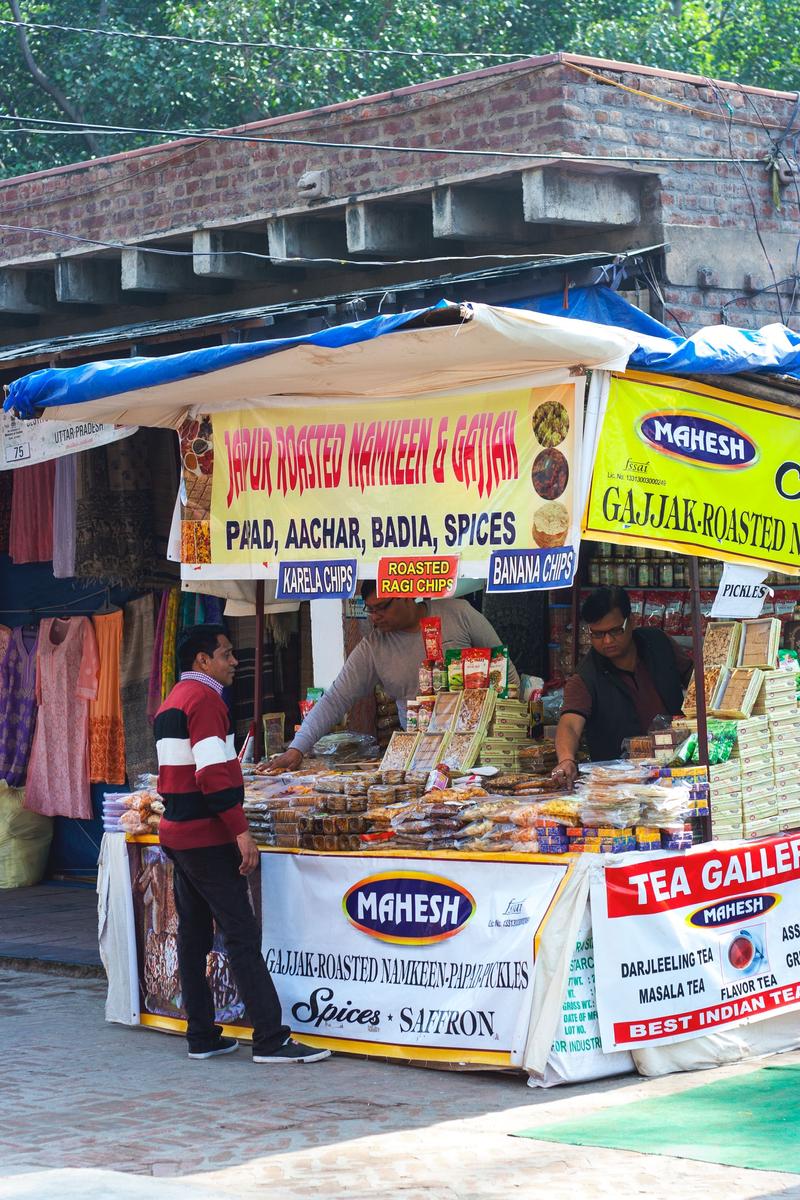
(507, 734)
(785, 736)
(726, 792)
(753, 752)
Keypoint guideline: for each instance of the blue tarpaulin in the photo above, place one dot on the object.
(713, 350)
(54, 386)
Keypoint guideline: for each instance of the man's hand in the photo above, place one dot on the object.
(290, 760)
(249, 852)
(566, 772)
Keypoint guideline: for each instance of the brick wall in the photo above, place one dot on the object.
(547, 106)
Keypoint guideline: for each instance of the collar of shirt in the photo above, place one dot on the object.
(199, 677)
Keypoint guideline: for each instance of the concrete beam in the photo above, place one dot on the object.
(87, 281)
(732, 255)
(552, 196)
(218, 254)
(473, 214)
(25, 291)
(383, 229)
(144, 272)
(303, 237)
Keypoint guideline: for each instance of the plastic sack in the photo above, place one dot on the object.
(24, 840)
(347, 747)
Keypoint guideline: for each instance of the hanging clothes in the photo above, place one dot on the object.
(67, 666)
(114, 539)
(17, 705)
(6, 489)
(168, 660)
(106, 730)
(30, 537)
(5, 638)
(154, 692)
(135, 665)
(64, 516)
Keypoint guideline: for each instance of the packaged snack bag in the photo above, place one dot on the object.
(431, 628)
(455, 670)
(498, 670)
(475, 664)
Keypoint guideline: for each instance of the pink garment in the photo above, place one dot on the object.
(30, 538)
(67, 668)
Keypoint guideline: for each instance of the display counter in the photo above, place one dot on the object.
(482, 960)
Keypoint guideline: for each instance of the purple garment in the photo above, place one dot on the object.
(65, 508)
(17, 706)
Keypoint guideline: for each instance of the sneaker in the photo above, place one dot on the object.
(225, 1045)
(292, 1052)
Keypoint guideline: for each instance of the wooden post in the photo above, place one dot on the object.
(258, 683)
(699, 680)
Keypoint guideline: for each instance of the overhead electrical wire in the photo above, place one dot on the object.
(165, 251)
(53, 127)
(291, 47)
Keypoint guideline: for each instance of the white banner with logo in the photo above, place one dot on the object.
(23, 443)
(691, 943)
(427, 958)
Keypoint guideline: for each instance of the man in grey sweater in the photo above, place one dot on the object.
(390, 655)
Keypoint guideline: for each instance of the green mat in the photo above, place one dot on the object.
(750, 1121)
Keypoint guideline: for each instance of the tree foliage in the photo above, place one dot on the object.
(177, 86)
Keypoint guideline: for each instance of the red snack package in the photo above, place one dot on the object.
(673, 613)
(783, 604)
(475, 665)
(654, 611)
(432, 637)
(637, 606)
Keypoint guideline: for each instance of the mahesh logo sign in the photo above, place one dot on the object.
(704, 441)
(408, 907)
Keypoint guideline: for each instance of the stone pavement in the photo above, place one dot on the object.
(102, 1112)
(50, 923)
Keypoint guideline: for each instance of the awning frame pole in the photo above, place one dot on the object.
(699, 681)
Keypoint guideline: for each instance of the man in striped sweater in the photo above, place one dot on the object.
(205, 834)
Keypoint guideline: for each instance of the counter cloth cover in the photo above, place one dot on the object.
(116, 931)
(66, 680)
(106, 732)
(135, 667)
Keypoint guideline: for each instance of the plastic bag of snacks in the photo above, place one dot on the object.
(455, 670)
(498, 670)
(475, 665)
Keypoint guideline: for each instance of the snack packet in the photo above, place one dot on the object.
(498, 670)
(431, 628)
(455, 670)
(475, 663)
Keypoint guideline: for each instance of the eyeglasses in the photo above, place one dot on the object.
(374, 609)
(600, 635)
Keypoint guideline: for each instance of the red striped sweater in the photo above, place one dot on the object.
(199, 776)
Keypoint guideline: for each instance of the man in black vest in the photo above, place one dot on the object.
(629, 677)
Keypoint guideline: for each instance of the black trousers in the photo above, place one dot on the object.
(208, 888)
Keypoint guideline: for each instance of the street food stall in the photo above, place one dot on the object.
(489, 920)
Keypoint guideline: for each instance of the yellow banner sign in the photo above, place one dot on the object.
(697, 470)
(472, 474)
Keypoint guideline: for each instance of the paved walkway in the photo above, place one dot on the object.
(52, 923)
(102, 1112)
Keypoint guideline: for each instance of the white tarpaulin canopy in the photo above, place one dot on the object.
(479, 347)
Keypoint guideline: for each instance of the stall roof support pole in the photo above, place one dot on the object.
(699, 680)
(258, 684)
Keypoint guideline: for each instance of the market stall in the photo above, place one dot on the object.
(489, 480)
